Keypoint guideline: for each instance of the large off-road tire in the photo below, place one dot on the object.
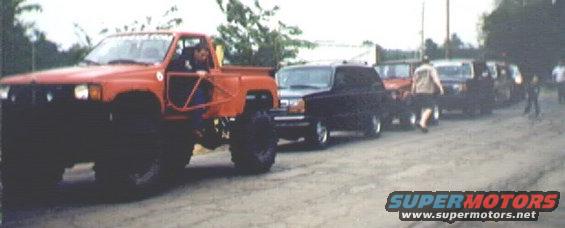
(372, 126)
(318, 134)
(179, 145)
(253, 142)
(28, 171)
(136, 163)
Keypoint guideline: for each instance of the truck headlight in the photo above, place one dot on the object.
(460, 87)
(519, 80)
(297, 106)
(4, 92)
(88, 92)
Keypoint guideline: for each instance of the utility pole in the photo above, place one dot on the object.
(447, 38)
(2, 34)
(423, 42)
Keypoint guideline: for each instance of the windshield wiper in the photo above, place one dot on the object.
(90, 62)
(127, 61)
(303, 87)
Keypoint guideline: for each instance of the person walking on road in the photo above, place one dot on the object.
(559, 77)
(425, 85)
(533, 90)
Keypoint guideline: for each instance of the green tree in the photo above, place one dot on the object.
(249, 40)
(368, 43)
(432, 50)
(12, 33)
(530, 33)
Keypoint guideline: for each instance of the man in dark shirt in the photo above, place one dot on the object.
(199, 64)
(194, 60)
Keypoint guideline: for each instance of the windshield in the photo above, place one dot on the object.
(459, 71)
(310, 77)
(131, 49)
(394, 71)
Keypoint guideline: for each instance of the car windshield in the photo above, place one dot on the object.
(394, 71)
(455, 71)
(304, 78)
(130, 49)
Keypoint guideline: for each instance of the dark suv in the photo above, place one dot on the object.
(316, 99)
(468, 86)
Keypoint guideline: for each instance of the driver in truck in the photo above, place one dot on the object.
(196, 60)
(200, 64)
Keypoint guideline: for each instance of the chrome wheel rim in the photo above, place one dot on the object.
(376, 124)
(322, 132)
(436, 112)
(413, 119)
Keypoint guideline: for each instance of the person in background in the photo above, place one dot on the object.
(533, 90)
(425, 85)
(559, 77)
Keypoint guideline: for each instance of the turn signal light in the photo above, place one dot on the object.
(95, 92)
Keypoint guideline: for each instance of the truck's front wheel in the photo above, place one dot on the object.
(136, 162)
(253, 142)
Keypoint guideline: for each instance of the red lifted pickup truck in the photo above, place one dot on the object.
(124, 109)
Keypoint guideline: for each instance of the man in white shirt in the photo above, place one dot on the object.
(559, 76)
(425, 83)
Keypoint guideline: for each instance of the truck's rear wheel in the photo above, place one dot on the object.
(253, 142)
(373, 126)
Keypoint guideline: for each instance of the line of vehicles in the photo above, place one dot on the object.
(319, 98)
(125, 109)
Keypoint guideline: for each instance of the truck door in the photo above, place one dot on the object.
(344, 97)
(181, 79)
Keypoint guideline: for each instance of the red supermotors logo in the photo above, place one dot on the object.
(471, 206)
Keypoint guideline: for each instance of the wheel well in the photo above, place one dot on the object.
(258, 100)
(138, 101)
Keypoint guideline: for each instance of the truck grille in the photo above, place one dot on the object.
(40, 95)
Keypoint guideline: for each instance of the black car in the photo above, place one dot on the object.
(468, 86)
(317, 99)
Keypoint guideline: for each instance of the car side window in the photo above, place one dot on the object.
(369, 77)
(184, 51)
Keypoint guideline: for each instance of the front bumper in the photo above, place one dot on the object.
(291, 126)
(50, 120)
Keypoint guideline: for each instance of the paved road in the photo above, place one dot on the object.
(345, 185)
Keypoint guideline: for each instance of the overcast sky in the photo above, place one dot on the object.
(390, 23)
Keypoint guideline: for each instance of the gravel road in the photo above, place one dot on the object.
(345, 185)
